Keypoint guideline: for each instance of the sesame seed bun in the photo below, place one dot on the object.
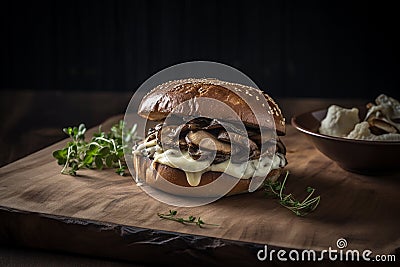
(245, 101)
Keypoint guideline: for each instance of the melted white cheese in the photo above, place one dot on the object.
(194, 169)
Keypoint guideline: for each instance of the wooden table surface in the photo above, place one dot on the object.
(362, 209)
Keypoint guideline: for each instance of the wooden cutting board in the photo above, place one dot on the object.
(101, 213)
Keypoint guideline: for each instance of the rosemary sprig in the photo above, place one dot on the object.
(309, 204)
(190, 220)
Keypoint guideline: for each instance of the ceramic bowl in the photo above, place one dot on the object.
(360, 156)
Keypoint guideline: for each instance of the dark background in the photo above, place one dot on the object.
(290, 48)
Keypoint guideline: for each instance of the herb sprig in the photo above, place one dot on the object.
(190, 220)
(309, 204)
(103, 150)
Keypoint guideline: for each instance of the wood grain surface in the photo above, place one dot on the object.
(364, 210)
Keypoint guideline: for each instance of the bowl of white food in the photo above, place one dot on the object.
(363, 140)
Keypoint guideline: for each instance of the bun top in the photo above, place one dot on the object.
(166, 97)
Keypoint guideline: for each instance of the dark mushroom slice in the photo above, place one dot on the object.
(214, 124)
(219, 157)
(208, 141)
(255, 154)
(238, 139)
(384, 117)
(271, 147)
(256, 139)
(194, 124)
(198, 154)
(194, 152)
(168, 137)
(198, 123)
(223, 150)
(152, 133)
(280, 147)
(240, 143)
(154, 129)
(379, 126)
(151, 137)
(229, 126)
(255, 135)
(253, 132)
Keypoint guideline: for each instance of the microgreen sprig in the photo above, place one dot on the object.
(309, 204)
(103, 150)
(190, 220)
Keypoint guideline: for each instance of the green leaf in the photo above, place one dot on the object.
(93, 149)
(75, 131)
(99, 162)
(121, 171)
(200, 222)
(88, 160)
(114, 157)
(68, 130)
(104, 151)
(120, 154)
(60, 154)
(109, 161)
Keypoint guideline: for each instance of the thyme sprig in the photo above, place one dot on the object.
(103, 150)
(190, 220)
(300, 208)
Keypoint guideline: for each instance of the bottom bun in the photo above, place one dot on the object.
(172, 180)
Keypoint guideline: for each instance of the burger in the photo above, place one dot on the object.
(209, 137)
